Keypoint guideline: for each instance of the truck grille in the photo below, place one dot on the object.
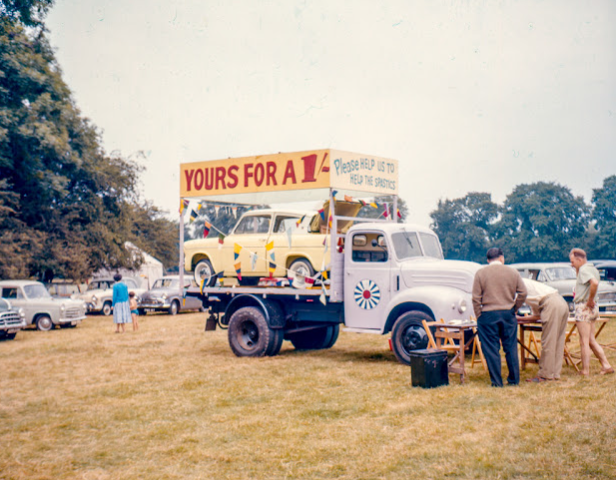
(73, 313)
(10, 319)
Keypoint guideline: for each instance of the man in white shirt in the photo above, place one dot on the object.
(551, 310)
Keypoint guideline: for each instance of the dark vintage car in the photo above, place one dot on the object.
(166, 296)
(11, 320)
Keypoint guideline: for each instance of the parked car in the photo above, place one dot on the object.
(166, 295)
(562, 277)
(65, 288)
(607, 269)
(40, 308)
(99, 295)
(11, 320)
(254, 230)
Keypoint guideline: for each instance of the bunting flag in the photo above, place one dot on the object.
(237, 248)
(325, 245)
(201, 286)
(322, 213)
(238, 270)
(362, 203)
(216, 209)
(193, 215)
(234, 211)
(349, 199)
(386, 212)
(253, 261)
(183, 204)
(323, 297)
(334, 193)
(269, 249)
(221, 240)
(289, 231)
(299, 221)
(340, 245)
(374, 205)
(399, 215)
(324, 275)
(331, 220)
(309, 280)
(206, 229)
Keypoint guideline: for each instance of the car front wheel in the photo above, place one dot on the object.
(204, 273)
(107, 309)
(174, 307)
(44, 323)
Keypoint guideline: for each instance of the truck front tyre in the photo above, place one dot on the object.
(317, 339)
(251, 336)
(408, 334)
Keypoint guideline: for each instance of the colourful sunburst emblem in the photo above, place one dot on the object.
(367, 294)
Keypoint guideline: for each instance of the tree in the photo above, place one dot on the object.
(66, 208)
(603, 244)
(465, 225)
(155, 234)
(541, 222)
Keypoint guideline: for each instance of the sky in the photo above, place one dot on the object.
(468, 96)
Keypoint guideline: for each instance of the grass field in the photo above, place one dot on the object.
(171, 401)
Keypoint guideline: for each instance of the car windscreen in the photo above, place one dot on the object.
(560, 273)
(167, 283)
(431, 245)
(406, 245)
(253, 224)
(36, 291)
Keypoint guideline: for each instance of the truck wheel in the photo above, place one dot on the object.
(249, 333)
(316, 339)
(107, 309)
(275, 344)
(302, 267)
(204, 272)
(44, 323)
(174, 307)
(408, 334)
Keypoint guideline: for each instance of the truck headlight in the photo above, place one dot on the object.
(22, 314)
(462, 306)
(62, 308)
(164, 296)
(93, 300)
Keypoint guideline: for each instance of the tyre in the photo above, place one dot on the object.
(107, 309)
(44, 323)
(174, 308)
(249, 334)
(408, 334)
(7, 336)
(275, 344)
(204, 272)
(316, 339)
(302, 267)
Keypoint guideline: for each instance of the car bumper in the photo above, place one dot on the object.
(72, 321)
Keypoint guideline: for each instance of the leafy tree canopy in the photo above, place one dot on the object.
(66, 208)
(603, 244)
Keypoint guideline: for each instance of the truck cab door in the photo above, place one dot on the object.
(367, 280)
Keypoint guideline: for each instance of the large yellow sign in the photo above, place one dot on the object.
(315, 169)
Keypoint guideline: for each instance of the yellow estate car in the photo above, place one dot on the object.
(298, 245)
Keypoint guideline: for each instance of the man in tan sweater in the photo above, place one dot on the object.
(498, 291)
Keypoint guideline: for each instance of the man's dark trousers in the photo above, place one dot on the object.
(493, 328)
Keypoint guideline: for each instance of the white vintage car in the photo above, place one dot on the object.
(297, 249)
(40, 308)
(99, 295)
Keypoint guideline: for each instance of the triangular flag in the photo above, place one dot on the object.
(193, 215)
(253, 261)
(237, 248)
(216, 209)
(206, 229)
(238, 270)
(399, 216)
(348, 199)
(183, 204)
(234, 211)
(221, 240)
(323, 298)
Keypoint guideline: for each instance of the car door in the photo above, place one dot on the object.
(250, 236)
(190, 302)
(367, 280)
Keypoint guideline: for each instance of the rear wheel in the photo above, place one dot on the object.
(44, 323)
(249, 333)
(302, 267)
(408, 334)
(316, 339)
(174, 308)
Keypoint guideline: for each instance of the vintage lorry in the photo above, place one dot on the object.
(382, 277)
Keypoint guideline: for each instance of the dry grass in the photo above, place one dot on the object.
(171, 401)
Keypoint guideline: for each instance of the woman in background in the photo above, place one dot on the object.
(121, 307)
